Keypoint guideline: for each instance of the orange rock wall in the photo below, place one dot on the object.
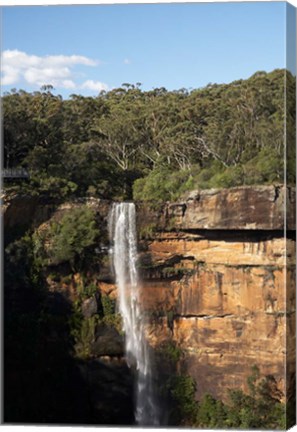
(228, 305)
(218, 278)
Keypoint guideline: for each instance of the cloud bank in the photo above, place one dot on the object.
(56, 70)
(94, 85)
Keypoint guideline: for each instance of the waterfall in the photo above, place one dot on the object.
(122, 231)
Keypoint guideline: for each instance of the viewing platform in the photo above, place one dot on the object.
(15, 174)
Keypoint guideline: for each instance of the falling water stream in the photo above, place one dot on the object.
(122, 230)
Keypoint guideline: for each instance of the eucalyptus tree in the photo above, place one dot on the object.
(118, 132)
(80, 114)
(18, 127)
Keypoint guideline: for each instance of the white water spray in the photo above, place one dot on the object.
(122, 231)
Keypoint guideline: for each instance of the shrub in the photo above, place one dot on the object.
(242, 411)
(69, 239)
(108, 305)
(184, 406)
(211, 413)
(53, 187)
(110, 317)
(153, 187)
(266, 167)
(147, 231)
(86, 291)
(85, 336)
(115, 321)
(21, 264)
(162, 184)
(170, 352)
(232, 176)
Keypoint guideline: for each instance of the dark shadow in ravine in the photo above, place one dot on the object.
(43, 382)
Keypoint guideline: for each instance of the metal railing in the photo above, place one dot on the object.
(14, 173)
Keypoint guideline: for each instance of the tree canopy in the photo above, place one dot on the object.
(168, 141)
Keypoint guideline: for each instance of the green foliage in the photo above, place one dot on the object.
(86, 291)
(109, 315)
(71, 236)
(147, 231)
(162, 142)
(183, 404)
(85, 336)
(168, 272)
(21, 263)
(232, 176)
(33, 131)
(266, 167)
(211, 413)
(108, 305)
(83, 329)
(170, 320)
(114, 320)
(170, 353)
(75, 320)
(247, 412)
(162, 184)
(252, 380)
(255, 410)
(52, 187)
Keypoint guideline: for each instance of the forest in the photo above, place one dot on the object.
(151, 145)
(123, 144)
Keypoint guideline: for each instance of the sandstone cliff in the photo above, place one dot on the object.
(218, 278)
(218, 264)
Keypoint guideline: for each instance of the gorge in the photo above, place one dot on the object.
(217, 283)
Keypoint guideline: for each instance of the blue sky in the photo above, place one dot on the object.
(83, 49)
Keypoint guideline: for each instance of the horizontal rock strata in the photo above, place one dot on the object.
(218, 278)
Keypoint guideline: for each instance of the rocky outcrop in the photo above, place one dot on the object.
(224, 303)
(89, 307)
(108, 342)
(24, 211)
(239, 208)
(218, 278)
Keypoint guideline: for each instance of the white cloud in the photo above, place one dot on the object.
(127, 61)
(11, 75)
(39, 70)
(68, 84)
(94, 85)
(42, 76)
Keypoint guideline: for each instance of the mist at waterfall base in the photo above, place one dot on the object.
(123, 237)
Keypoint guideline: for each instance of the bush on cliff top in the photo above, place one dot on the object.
(68, 239)
(163, 184)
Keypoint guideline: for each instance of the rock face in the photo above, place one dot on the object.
(22, 212)
(218, 278)
(108, 342)
(239, 208)
(220, 282)
(89, 307)
(228, 306)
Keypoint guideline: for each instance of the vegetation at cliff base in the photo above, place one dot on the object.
(259, 408)
(153, 144)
